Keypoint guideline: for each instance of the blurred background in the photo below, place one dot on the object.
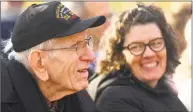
(178, 14)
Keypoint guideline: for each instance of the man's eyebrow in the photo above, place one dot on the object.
(75, 42)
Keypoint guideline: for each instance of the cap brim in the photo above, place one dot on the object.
(83, 25)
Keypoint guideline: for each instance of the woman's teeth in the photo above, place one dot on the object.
(150, 65)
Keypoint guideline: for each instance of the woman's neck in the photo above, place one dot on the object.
(152, 84)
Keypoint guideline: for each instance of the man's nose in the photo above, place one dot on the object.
(88, 55)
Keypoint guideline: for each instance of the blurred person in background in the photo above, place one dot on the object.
(47, 71)
(179, 16)
(180, 19)
(9, 12)
(139, 52)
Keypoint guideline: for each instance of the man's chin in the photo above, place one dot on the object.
(82, 86)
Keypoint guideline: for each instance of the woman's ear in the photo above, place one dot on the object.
(37, 64)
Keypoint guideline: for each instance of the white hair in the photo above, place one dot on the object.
(22, 57)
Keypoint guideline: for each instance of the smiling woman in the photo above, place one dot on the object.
(147, 61)
(138, 52)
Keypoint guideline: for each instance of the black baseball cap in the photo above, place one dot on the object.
(41, 22)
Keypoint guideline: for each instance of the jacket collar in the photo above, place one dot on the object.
(125, 77)
(26, 88)
(161, 88)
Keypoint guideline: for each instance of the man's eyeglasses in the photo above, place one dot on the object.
(138, 48)
(80, 46)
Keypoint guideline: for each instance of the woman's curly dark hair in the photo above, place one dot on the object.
(111, 44)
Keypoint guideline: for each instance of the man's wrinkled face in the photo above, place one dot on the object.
(67, 68)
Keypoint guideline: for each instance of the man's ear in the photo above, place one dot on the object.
(37, 63)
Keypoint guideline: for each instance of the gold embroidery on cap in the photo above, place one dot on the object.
(63, 12)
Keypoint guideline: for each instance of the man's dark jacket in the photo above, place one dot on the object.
(20, 93)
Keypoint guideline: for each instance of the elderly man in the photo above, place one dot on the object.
(49, 68)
